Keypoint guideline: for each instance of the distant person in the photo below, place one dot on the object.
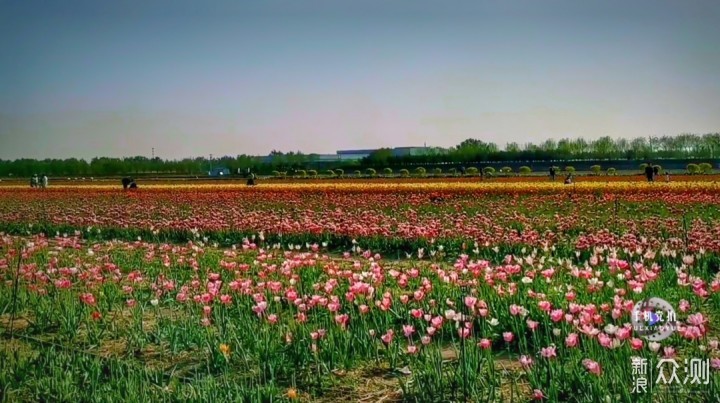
(569, 179)
(667, 176)
(552, 173)
(656, 171)
(126, 182)
(251, 179)
(133, 185)
(34, 181)
(649, 173)
(44, 181)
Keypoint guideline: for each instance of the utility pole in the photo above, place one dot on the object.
(153, 153)
(210, 162)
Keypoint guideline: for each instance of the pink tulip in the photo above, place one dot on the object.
(526, 361)
(592, 366)
(605, 340)
(470, 301)
(342, 320)
(548, 352)
(545, 305)
(696, 319)
(387, 337)
(623, 333)
(88, 299)
(557, 315)
(572, 340)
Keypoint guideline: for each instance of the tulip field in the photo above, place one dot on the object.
(361, 291)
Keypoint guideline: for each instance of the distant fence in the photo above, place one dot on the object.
(536, 166)
(579, 165)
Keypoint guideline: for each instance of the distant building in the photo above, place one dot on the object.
(219, 171)
(353, 155)
(324, 157)
(410, 151)
(356, 155)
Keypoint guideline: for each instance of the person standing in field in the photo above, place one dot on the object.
(649, 174)
(667, 176)
(44, 181)
(34, 181)
(552, 174)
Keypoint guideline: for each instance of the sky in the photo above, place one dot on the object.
(192, 78)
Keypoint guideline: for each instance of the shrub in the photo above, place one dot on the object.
(489, 171)
(506, 170)
(525, 170)
(358, 173)
(693, 169)
(387, 171)
(472, 171)
(611, 171)
(302, 173)
(643, 166)
(570, 169)
(331, 173)
(339, 172)
(420, 171)
(705, 168)
(312, 173)
(277, 174)
(404, 173)
(371, 172)
(452, 171)
(437, 171)
(596, 169)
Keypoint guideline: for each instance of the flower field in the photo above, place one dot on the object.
(459, 291)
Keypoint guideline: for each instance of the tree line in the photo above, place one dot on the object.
(683, 146)
(688, 146)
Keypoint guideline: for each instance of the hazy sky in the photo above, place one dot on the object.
(116, 78)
